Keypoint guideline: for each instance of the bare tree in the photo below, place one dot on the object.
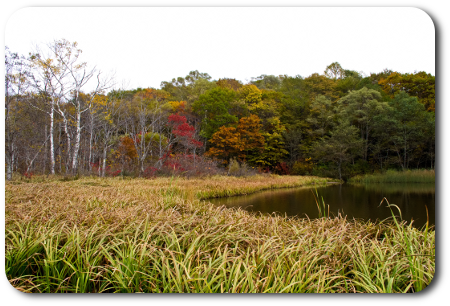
(79, 74)
(16, 77)
(50, 85)
(146, 121)
(62, 76)
(107, 112)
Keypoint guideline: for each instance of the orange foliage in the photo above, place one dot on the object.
(238, 142)
(126, 152)
(152, 94)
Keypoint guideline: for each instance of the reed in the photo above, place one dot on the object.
(392, 176)
(114, 235)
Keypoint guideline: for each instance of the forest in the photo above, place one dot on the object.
(338, 123)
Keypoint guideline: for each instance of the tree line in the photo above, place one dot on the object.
(338, 123)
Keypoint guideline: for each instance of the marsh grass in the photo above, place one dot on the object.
(392, 176)
(158, 236)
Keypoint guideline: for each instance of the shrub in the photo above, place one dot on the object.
(28, 175)
(328, 170)
(187, 165)
(236, 169)
(302, 167)
(282, 168)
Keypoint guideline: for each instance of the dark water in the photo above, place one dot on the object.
(355, 201)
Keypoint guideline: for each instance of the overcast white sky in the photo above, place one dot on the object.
(145, 46)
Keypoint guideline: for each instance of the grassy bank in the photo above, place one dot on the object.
(112, 235)
(392, 176)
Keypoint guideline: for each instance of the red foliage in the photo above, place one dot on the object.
(176, 119)
(185, 165)
(150, 172)
(183, 131)
(28, 175)
(196, 143)
(108, 171)
(282, 168)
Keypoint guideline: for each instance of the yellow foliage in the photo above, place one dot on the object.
(250, 93)
(177, 105)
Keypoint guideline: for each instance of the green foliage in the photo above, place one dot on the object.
(405, 127)
(340, 147)
(334, 71)
(350, 81)
(361, 107)
(322, 116)
(267, 82)
(212, 107)
(394, 176)
(274, 151)
(292, 87)
(189, 87)
(199, 87)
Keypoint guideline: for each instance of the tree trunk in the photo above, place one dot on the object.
(66, 129)
(90, 147)
(52, 145)
(59, 149)
(104, 161)
(404, 157)
(45, 151)
(77, 142)
(339, 167)
(9, 162)
(367, 143)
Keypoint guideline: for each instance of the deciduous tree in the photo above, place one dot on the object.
(213, 108)
(334, 71)
(361, 107)
(242, 142)
(16, 83)
(340, 147)
(419, 84)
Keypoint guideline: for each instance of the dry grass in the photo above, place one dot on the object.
(113, 235)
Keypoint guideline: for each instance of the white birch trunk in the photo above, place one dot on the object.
(45, 152)
(104, 161)
(9, 162)
(66, 129)
(91, 130)
(77, 142)
(52, 145)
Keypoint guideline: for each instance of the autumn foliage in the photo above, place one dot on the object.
(270, 123)
(420, 84)
(184, 133)
(237, 142)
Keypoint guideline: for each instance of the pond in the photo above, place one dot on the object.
(355, 201)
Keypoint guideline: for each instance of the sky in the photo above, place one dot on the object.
(142, 47)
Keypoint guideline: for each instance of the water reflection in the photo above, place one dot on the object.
(355, 201)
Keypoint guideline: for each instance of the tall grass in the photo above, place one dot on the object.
(392, 176)
(115, 235)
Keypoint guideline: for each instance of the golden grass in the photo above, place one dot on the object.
(114, 235)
